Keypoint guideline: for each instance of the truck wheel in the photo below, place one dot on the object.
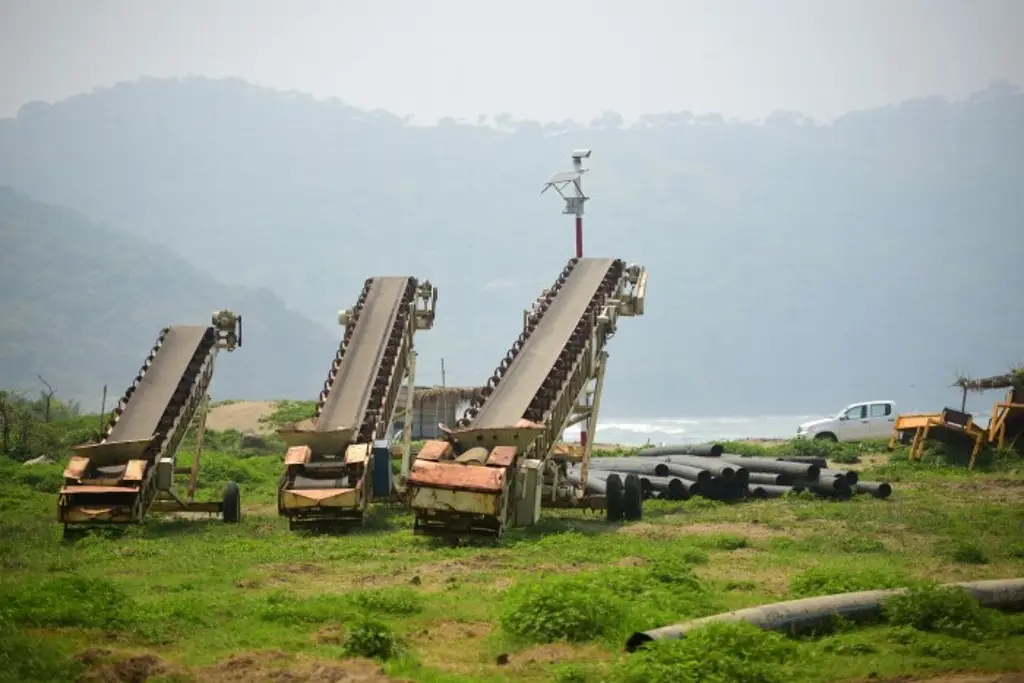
(827, 436)
(632, 498)
(231, 509)
(613, 498)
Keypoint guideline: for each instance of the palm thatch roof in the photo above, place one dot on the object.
(455, 394)
(1014, 378)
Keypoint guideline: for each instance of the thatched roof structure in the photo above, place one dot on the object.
(454, 394)
(1014, 378)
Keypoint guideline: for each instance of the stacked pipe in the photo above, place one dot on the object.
(382, 382)
(342, 347)
(679, 472)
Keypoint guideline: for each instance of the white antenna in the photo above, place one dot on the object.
(574, 198)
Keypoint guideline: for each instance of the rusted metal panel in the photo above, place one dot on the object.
(522, 434)
(78, 515)
(297, 455)
(501, 456)
(76, 467)
(451, 500)
(357, 453)
(453, 476)
(134, 471)
(70, 490)
(313, 498)
(435, 450)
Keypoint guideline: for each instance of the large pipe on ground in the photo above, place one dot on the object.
(645, 466)
(665, 469)
(808, 614)
(794, 469)
(850, 476)
(596, 481)
(671, 488)
(769, 478)
(878, 489)
(770, 491)
(835, 488)
(716, 466)
(703, 450)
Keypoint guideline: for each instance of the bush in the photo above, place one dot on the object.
(67, 601)
(716, 653)
(29, 658)
(371, 638)
(398, 601)
(940, 609)
(845, 579)
(560, 608)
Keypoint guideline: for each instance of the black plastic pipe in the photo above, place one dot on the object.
(645, 466)
(671, 488)
(716, 466)
(878, 489)
(704, 450)
(850, 476)
(666, 469)
(808, 614)
(770, 491)
(794, 469)
(769, 479)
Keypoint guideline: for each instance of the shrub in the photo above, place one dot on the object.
(940, 609)
(560, 608)
(716, 653)
(67, 601)
(398, 601)
(827, 580)
(371, 638)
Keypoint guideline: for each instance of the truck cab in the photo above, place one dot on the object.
(856, 422)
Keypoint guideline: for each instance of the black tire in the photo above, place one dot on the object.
(827, 436)
(632, 498)
(613, 498)
(232, 503)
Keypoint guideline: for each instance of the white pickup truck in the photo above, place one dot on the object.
(855, 422)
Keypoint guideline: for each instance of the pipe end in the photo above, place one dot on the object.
(637, 640)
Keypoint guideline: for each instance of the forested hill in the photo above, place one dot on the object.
(794, 266)
(83, 304)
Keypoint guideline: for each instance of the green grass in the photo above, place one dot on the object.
(550, 603)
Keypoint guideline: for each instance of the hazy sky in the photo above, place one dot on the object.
(532, 58)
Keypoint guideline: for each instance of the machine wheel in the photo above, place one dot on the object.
(232, 503)
(632, 498)
(827, 436)
(613, 498)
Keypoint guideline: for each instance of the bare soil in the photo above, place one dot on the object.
(242, 416)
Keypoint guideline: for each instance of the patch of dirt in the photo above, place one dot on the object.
(746, 530)
(242, 416)
(452, 646)
(864, 462)
(955, 677)
(543, 656)
(286, 573)
(279, 667)
(104, 666)
(435, 574)
(1000, 490)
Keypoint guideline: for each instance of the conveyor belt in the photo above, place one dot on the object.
(350, 391)
(524, 377)
(155, 392)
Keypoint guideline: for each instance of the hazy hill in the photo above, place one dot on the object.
(794, 266)
(83, 304)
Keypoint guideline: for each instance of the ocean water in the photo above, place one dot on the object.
(660, 431)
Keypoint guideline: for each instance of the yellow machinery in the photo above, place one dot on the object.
(497, 467)
(1004, 428)
(131, 470)
(336, 463)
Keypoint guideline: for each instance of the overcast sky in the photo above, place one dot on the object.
(539, 59)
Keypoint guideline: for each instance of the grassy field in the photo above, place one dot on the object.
(199, 600)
